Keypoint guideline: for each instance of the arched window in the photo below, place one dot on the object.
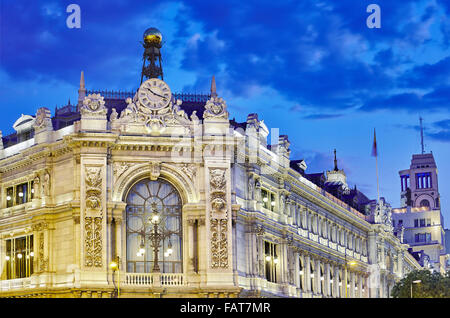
(142, 198)
(425, 203)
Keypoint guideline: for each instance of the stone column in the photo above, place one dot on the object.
(308, 272)
(296, 269)
(327, 279)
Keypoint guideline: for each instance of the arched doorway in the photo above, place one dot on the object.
(142, 198)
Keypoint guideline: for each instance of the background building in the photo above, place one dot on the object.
(420, 219)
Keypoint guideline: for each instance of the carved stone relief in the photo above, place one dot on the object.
(218, 219)
(93, 241)
(155, 170)
(93, 188)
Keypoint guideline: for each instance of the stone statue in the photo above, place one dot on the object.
(114, 115)
(258, 191)
(46, 184)
(251, 188)
(282, 204)
(36, 192)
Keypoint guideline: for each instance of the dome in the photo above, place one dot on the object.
(152, 35)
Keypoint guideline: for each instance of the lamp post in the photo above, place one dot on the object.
(414, 282)
(155, 236)
(351, 263)
(115, 266)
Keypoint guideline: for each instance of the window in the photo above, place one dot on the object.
(141, 199)
(19, 194)
(416, 222)
(313, 286)
(271, 258)
(425, 203)
(422, 222)
(428, 222)
(268, 199)
(422, 237)
(9, 197)
(19, 257)
(423, 180)
(404, 182)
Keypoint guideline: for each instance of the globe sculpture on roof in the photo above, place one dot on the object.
(152, 35)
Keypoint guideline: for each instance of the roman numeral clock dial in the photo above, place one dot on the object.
(154, 94)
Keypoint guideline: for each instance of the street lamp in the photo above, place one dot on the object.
(155, 236)
(414, 282)
(351, 263)
(115, 266)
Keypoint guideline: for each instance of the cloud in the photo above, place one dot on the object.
(440, 131)
(322, 116)
(435, 100)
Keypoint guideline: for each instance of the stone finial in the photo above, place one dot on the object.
(213, 87)
(216, 107)
(81, 91)
(82, 84)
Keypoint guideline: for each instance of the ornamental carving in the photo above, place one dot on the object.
(93, 104)
(219, 243)
(189, 169)
(217, 179)
(93, 242)
(154, 107)
(219, 204)
(93, 188)
(120, 167)
(216, 108)
(43, 118)
(155, 170)
(43, 261)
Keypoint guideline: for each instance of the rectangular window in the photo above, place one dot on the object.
(22, 193)
(9, 197)
(416, 222)
(271, 260)
(428, 222)
(422, 222)
(268, 199)
(19, 257)
(428, 237)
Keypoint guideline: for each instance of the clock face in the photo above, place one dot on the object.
(154, 94)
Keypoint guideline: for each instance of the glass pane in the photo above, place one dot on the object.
(141, 232)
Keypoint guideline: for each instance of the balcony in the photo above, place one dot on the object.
(18, 283)
(153, 279)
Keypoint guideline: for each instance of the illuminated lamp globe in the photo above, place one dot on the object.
(152, 36)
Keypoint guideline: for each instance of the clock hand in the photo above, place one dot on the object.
(165, 98)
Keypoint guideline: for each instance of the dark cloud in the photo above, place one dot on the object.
(440, 131)
(435, 100)
(322, 116)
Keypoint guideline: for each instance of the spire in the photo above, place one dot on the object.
(81, 91)
(335, 161)
(213, 87)
(421, 135)
(82, 86)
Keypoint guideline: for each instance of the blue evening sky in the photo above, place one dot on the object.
(313, 69)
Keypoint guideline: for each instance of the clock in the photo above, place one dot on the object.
(154, 94)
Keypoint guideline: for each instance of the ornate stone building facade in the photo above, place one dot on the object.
(184, 200)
